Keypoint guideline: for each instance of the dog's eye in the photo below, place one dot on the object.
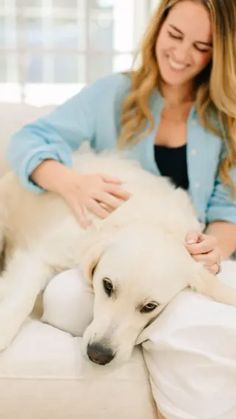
(149, 307)
(107, 285)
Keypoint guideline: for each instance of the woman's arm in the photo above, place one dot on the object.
(218, 241)
(53, 137)
(57, 135)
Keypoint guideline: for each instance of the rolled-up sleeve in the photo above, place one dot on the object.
(54, 136)
(222, 205)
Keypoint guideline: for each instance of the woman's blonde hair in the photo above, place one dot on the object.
(215, 86)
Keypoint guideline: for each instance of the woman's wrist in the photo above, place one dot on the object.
(50, 175)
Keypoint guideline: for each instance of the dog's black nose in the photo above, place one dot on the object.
(99, 354)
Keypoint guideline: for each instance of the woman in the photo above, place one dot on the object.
(176, 114)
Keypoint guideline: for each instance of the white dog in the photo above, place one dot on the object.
(135, 258)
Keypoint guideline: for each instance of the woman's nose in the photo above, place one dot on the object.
(181, 53)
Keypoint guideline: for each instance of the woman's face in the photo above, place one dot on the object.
(184, 44)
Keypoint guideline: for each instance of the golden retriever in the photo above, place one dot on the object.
(135, 258)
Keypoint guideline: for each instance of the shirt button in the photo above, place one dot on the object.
(197, 185)
(193, 152)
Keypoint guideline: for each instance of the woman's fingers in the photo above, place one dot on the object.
(204, 244)
(214, 269)
(97, 209)
(78, 210)
(193, 237)
(110, 179)
(208, 259)
(199, 248)
(108, 200)
(80, 215)
(204, 249)
(118, 192)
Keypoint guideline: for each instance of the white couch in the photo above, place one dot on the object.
(42, 373)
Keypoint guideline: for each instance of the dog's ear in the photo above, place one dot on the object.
(93, 244)
(208, 284)
(91, 250)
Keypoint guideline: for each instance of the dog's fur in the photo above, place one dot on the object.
(139, 248)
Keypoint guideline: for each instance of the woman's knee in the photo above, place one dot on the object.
(68, 302)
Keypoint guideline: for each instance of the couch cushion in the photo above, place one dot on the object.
(43, 375)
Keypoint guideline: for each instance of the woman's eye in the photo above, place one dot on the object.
(108, 287)
(149, 307)
(199, 49)
(172, 35)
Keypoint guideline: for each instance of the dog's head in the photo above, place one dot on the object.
(136, 271)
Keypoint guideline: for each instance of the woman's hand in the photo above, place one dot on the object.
(204, 248)
(99, 194)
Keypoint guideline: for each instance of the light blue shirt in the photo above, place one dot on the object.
(94, 115)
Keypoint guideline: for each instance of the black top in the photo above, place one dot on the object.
(172, 162)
